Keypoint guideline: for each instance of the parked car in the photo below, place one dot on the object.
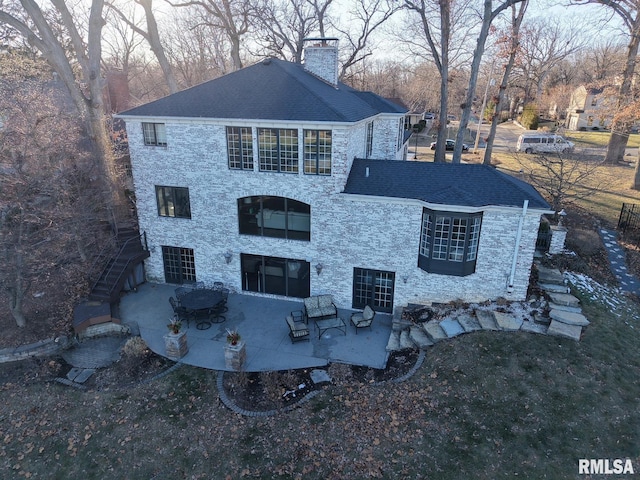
(429, 116)
(451, 145)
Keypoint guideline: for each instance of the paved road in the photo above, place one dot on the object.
(506, 138)
(507, 135)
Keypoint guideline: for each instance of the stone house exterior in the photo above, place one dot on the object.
(589, 108)
(278, 180)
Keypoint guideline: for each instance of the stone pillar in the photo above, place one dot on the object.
(558, 237)
(234, 356)
(176, 345)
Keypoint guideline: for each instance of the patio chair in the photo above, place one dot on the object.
(215, 314)
(199, 285)
(298, 331)
(181, 291)
(218, 285)
(182, 313)
(203, 319)
(363, 319)
(223, 304)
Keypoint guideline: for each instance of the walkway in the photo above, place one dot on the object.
(617, 261)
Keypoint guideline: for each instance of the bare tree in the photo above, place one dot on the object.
(152, 36)
(628, 11)
(600, 62)
(437, 38)
(232, 17)
(488, 16)
(544, 44)
(509, 43)
(86, 91)
(283, 25)
(41, 221)
(364, 19)
(628, 114)
(198, 52)
(120, 44)
(561, 178)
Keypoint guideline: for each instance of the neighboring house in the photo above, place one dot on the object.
(279, 180)
(589, 109)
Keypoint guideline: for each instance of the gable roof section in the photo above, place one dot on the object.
(270, 90)
(441, 184)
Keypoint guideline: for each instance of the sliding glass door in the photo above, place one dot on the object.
(279, 276)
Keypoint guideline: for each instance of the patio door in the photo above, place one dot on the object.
(373, 288)
(279, 276)
(179, 265)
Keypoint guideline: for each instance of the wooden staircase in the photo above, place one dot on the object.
(131, 252)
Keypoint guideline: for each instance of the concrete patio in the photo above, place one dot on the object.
(261, 322)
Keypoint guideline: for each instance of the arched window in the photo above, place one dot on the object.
(449, 242)
(278, 217)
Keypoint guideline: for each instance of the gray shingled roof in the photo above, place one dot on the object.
(441, 184)
(270, 90)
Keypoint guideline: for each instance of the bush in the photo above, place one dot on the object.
(529, 117)
(585, 243)
(135, 347)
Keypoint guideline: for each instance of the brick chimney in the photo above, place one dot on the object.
(321, 58)
(116, 93)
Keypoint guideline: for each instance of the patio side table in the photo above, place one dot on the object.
(327, 323)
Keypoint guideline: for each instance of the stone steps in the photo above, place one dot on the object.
(565, 319)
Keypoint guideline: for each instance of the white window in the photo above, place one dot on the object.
(154, 134)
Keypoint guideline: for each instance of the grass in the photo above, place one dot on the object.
(591, 138)
(611, 182)
(484, 405)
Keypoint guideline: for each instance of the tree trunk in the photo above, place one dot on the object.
(445, 33)
(619, 130)
(473, 80)
(235, 51)
(17, 292)
(15, 306)
(617, 145)
(516, 22)
(88, 57)
(636, 173)
(153, 37)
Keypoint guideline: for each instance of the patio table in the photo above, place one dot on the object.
(201, 299)
(201, 302)
(327, 323)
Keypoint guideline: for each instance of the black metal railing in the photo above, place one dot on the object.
(629, 222)
(629, 217)
(140, 240)
(543, 242)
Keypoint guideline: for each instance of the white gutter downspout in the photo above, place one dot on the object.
(525, 205)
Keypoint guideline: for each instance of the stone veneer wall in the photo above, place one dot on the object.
(558, 237)
(345, 232)
(322, 61)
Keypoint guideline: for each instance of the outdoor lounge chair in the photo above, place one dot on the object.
(363, 319)
(298, 331)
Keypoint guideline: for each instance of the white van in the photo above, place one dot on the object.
(543, 143)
